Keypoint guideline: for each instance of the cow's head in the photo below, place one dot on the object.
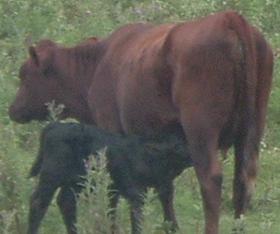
(43, 78)
(37, 84)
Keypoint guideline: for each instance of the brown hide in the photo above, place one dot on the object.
(211, 76)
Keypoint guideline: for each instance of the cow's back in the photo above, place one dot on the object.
(155, 73)
(132, 72)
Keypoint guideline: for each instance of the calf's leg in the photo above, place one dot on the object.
(39, 203)
(67, 204)
(166, 198)
(113, 202)
(136, 201)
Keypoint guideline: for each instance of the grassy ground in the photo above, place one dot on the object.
(69, 21)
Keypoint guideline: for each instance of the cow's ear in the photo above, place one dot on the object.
(42, 59)
(34, 55)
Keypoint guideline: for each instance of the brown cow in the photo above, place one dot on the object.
(211, 76)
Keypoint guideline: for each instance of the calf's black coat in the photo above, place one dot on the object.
(134, 163)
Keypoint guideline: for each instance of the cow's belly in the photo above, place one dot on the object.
(132, 110)
(143, 108)
(141, 117)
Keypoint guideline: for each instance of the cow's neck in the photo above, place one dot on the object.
(79, 63)
(76, 66)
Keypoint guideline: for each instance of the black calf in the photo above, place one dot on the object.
(134, 163)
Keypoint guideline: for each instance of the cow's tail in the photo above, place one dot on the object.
(246, 77)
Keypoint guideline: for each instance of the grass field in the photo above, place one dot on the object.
(68, 22)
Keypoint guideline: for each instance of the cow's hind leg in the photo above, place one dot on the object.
(39, 203)
(246, 163)
(67, 203)
(203, 147)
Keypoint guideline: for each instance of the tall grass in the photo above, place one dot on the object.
(94, 200)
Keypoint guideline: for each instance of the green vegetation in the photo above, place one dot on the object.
(69, 21)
